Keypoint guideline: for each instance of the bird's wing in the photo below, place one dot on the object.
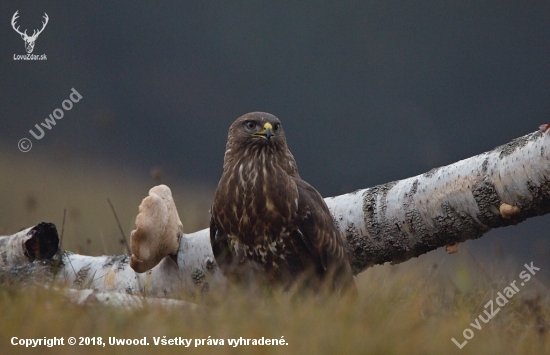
(220, 246)
(317, 227)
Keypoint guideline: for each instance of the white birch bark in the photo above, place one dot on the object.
(194, 272)
(392, 222)
(121, 300)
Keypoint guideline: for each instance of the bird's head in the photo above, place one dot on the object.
(259, 134)
(257, 129)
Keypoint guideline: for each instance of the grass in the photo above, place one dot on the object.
(411, 308)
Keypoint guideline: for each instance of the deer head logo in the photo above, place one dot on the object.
(29, 40)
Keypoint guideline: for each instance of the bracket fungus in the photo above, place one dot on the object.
(158, 230)
(508, 211)
(452, 248)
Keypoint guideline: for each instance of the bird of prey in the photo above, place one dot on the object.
(266, 222)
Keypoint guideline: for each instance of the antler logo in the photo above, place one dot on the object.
(29, 40)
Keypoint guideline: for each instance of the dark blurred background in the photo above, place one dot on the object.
(368, 91)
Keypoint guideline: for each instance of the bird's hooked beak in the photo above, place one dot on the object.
(266, 132)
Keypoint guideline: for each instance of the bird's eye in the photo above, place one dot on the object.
(250, 125)
(276, 127)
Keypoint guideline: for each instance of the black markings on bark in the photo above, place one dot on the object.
(360, 249)
(387, 240)
(4, 253)
(398, 242)
(121, 262)
(199, 278)
(412, 215)
(369, 211)
(488, 202)
(81, 276)
(415, 222)
(375, 217)
(484, 166)
(414, 188)
(430, 173)
(454, 226)
(211, 266)
(517, 143)
(540, 203)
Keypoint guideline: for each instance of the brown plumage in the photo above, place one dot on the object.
(267, 222)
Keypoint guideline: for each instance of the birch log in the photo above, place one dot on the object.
(392, 222)
(403, 219)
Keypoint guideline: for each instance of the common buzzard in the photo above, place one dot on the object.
(266, 221)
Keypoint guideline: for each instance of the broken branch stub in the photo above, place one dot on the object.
(158, 230)
(43, 242)
(36, 243)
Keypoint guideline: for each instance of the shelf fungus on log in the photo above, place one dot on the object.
(158, 230)
(508, 211)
